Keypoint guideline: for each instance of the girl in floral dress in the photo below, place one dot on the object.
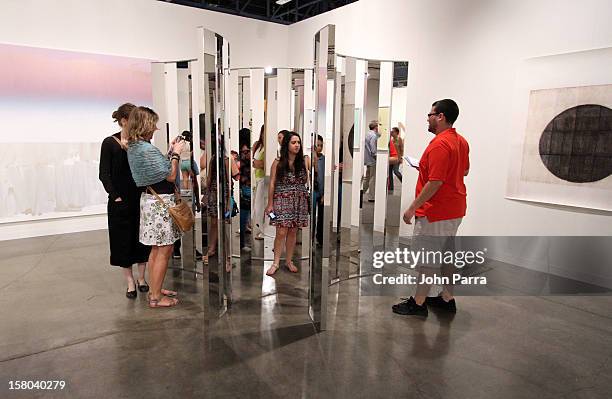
(288, 199)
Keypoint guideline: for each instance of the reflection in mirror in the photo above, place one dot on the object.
(266, 101)
(173, 93)
(365, 108)
(397, 165)
(216, 168)
(325, 89)
(340, 149)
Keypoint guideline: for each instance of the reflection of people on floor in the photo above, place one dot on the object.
(123, 205)
(319, 188)
(152, 170)
(439, 206)
(288, 199)
(396, 153)
(259, 174)
(369, 160)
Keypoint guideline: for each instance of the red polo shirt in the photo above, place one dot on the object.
(445, 159)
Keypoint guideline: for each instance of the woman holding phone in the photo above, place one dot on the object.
(288, 199)
(155, 173)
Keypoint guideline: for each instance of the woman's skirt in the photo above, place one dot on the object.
(156, 225)
(123, 231)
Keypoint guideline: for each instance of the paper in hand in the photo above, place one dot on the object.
(412, 161)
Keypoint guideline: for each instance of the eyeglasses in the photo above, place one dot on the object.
(433, 113)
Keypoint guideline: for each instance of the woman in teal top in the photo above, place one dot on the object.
(151, 169)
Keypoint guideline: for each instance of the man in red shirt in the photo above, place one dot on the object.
(439, 206)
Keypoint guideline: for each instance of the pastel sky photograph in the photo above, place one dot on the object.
(67, 95)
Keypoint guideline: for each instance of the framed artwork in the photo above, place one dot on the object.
(562, 147)
(56, 109)
(384, 119)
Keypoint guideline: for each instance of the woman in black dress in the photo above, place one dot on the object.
(123, 206)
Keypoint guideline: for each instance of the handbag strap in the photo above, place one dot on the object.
(120, 143)
(156, 195)
(177, 196)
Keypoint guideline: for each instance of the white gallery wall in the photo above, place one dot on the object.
(146, 29)
(137, 28)
(469, 50)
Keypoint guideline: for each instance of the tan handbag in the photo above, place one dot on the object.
(181, 213)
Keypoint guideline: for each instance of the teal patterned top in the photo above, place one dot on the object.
(147, 163)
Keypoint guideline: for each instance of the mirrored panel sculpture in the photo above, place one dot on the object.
(264, 104)
(358, 176)
(217, 167)
(321, 172)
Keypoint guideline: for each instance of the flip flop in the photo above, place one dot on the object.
(291, 267)
(169, 293)
(273, 269)
(157, 303)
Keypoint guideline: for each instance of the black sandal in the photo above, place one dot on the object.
(142, 288)
(131, 294)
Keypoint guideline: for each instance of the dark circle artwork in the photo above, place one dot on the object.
(576, 145)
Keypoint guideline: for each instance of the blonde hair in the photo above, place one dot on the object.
(141, 124)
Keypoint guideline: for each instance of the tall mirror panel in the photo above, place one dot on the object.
(325, 86)
(216, 166)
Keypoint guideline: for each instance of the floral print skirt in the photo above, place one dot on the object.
(156, 224)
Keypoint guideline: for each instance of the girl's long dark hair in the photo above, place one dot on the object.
(260, 141)
(283, 164)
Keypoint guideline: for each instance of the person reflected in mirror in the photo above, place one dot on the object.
(153, 171)
(439, 206)
(244, 162)
(186, 163)
(280, 136)
(212, 203)
(259, 173)
(396, 153)
(196, 207)
(369, 160)
(229, 207)
(123, 207)
(203, 179)
(319, 188)
(288, 199)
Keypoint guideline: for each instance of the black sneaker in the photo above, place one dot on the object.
(176, 255)
(198, 255)
(410, 307)
(438, 302)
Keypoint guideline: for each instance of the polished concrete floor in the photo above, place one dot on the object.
(65, 317)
